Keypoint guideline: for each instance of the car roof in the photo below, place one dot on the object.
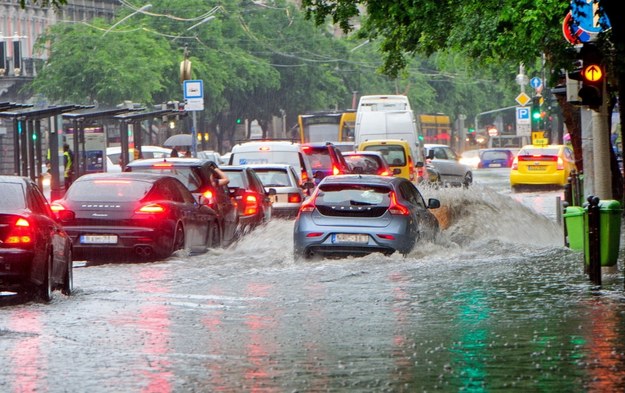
(256, 144)
(269, 166)
(384, 142)
(435, 145)
(363, 153)
(118, 149)
(14, 179)
(176, 161)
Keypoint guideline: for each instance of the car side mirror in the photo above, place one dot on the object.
(271, 192)
(433, 203)
(396, 171)
(308, 185)
(419, 164)
(430, 155)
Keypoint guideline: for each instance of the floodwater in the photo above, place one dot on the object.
(495, 304)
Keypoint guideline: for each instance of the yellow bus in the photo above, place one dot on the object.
(327, 126)
(435, 128)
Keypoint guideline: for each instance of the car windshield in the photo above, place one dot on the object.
(353, 195)
(393, 154)
(110, 190)
(12, 196)
(184, 174)
(273, 177)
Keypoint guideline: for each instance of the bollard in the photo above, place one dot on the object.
(594, 246)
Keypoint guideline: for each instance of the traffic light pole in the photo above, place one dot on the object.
(601, 150)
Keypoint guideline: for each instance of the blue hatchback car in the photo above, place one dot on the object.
(363, 214)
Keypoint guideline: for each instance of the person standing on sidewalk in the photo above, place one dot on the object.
(68, 163)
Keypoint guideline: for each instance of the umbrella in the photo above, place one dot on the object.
(179, 140)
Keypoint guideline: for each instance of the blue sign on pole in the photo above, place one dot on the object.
(536, 82)
(589, 16)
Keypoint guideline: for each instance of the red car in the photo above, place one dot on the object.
(35, 250)
(325, 159)
(254, 202)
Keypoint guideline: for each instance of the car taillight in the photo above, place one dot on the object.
(308, 205)
(152, 208)
(383, 173)
(21, 233)
(560, 164)
(515, 164)
(335, 170)
(411, 171)
(294, 197)
(208, 195)
(61, 212)
(250, 205)
(396, 207)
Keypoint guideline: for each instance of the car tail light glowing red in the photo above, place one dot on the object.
(383, 173)
(396, 207)
(294, 197)
(251, 205)
(163, 165)
(21, 233)
(314, 234)
(515, 164)
(61, 212)
(386, 236)
(308, 205)
(208, 195)
(335, 170)
(152, 208)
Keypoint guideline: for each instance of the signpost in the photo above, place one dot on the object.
(194, 101)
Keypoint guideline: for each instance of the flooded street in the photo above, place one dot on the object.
(496, 303)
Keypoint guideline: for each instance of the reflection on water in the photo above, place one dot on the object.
(495, 303)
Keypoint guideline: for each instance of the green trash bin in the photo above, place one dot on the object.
(576, 221)
(610, 212)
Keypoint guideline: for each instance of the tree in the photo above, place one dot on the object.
(86, 66)
(492, 32)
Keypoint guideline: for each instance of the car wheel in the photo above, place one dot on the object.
(178, 243)
(468, 180)
(68, 279)
(45, 289)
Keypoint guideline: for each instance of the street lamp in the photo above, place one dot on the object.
(140, 10)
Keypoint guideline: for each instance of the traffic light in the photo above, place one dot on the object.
(238, 120)
(471, 130)
(590, 76)
(537, 114)
(593, 76)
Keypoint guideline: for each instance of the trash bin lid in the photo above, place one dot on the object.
(574, 211)
(610, 205)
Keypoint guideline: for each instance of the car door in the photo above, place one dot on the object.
(425, 222)
(195, 219)
(258, 187)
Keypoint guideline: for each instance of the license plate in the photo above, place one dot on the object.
(495, 165)
(98, 239)
(535, 168)
(350, 238)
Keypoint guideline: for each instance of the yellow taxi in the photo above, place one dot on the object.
(398, 155)
(542, 165)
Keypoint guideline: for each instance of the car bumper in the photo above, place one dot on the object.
(15, 267)
(285, 209)
(128, 239)
(387, 239)
(555, 178)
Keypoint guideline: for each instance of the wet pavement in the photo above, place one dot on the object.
(496, 303)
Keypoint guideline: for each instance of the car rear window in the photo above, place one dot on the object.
(12, 196)
(113, 190)
(266, 157)
(538, 152)
(273, 177)
(363, 164)
(393, 154)
(237, 178)
(185, 175)
(353, 195)
(494, 155)
(319, 158)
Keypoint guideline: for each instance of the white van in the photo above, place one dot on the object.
(272, 152)
(386, 102)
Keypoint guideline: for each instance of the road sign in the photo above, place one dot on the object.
(194, 104)
(523, 99)
(589, 16)
(193, 89)
(536, 82)
(522, 115)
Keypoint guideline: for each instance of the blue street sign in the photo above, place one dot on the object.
(522, 115)
(589, 16)
(536, 82)
(193, 89)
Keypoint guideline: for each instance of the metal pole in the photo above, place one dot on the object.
(194, 135)
(594, 246)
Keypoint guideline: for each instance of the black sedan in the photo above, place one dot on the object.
(35, 251)
(363, 214)
(199, 176)
(146, 214)
(254, 202)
